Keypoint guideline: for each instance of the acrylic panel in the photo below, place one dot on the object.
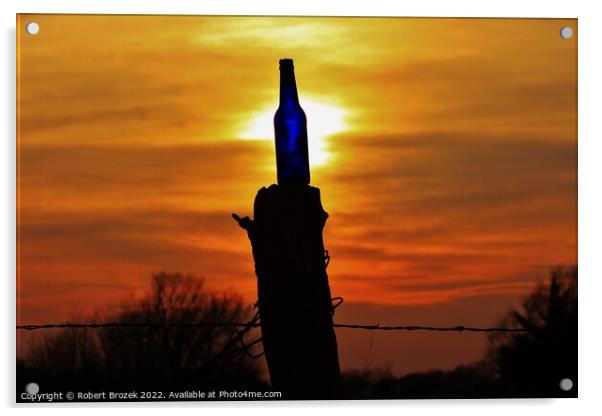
(276, 208)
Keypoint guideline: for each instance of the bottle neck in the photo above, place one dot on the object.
(288, 87)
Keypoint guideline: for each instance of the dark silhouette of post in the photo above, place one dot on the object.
(294, 296)
(290, 262)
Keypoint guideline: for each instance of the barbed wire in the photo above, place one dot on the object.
(237, 337)
(32, 327)
(374, 327)
(457, 328)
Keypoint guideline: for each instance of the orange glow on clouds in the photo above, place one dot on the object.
(445, 151)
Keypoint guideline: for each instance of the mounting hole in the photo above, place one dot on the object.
(566, 32)
(32, 28)
(32, 388)
(566, 384)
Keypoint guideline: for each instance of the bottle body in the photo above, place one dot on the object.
(292, 156)
(290, 128)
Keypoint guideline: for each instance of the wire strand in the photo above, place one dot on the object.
(376, 327)
(255, 322)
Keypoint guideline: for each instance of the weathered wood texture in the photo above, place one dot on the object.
(293, 293)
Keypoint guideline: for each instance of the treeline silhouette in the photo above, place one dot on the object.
(524, 365)
(516, 364)
(150, 358)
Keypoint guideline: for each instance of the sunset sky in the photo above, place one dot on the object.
(445, 151)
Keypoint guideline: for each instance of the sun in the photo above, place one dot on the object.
(323, 120)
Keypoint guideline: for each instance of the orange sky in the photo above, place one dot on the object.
(445, 151)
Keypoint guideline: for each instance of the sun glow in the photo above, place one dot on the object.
(323, 120)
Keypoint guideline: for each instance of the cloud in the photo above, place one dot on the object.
(453, 187)
(446, 208)
(405, 352)
(462, 174)
(205, 175)
(65, 258)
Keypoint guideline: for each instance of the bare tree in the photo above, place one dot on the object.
(155, 355)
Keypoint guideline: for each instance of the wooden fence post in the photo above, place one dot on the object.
(293, 293)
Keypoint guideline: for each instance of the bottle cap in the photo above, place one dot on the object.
(286, 63)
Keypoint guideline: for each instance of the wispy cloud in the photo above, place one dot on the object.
(453, 181)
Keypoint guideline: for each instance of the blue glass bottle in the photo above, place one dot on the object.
(290, 126)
